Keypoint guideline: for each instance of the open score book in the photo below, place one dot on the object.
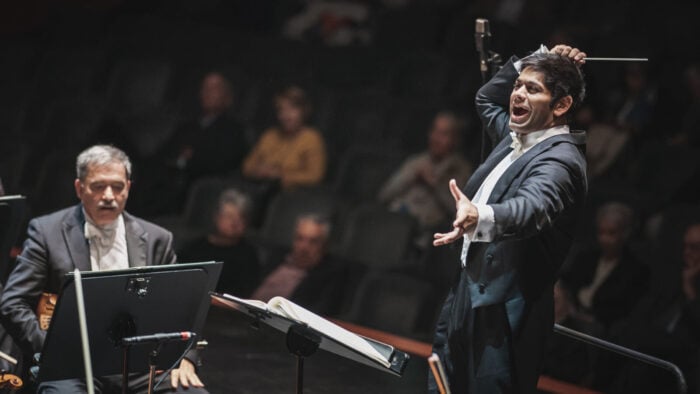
(287, 309)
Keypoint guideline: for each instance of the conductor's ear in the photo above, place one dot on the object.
(563, 105)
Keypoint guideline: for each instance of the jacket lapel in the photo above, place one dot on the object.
(135, 241)
(76, 243)
(519, 164)
(485, 169)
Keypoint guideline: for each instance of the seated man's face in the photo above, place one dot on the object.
(104, 192)
(229, 222)
(691, 246)
(309, 244)
(611, 235)
(441, 140)
(214, 95)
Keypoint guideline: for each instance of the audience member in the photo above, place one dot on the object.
(241, 271)
(633, 105)
(418, 186)
(689, 133)
(291, 153)
(2, 189)
(607, 280)
(332, 23)
(567, 359)
(95, 235)
(212, 144)
(665, 326)
(605, 146)
(307, 275)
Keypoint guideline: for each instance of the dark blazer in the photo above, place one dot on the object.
(617, 296)
(56, 245)
(502, 307)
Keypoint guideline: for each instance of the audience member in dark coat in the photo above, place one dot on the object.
(607, 281)
(241, 271)
(212, 144)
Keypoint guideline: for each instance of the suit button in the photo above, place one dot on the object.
(479, 234)
(482, 288)
(489, 258)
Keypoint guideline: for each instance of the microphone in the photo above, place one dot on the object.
(482, 39)
(160, 337)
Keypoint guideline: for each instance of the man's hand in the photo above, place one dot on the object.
(466, 218)
(575, 54)
(185, 376)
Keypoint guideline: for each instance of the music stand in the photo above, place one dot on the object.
(303, 341)
(125, 303)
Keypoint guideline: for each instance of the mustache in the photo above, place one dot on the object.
(110, 205)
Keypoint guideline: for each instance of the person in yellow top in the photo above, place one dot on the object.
(292, 152)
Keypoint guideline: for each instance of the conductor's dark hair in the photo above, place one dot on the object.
(562, 77)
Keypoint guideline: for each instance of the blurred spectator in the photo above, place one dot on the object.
(418, 187)
(331, 22)
(633, 105)
(605, 144)
(292, 153)
(689, 133)
(567, 359)
(240, 274)
(307, 275)
(665, 326)
(607, 280)
(212, 144)
(2, 189)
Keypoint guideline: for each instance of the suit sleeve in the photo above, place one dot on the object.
(23, 290)
(551, 187)
(493, 100)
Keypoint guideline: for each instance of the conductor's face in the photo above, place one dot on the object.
(104, 192)
(530, 100)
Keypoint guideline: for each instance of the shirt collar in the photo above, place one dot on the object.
(523, 142)
(107, 231)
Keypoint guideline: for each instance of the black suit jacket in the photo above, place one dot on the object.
(535, 203)
(56, 245)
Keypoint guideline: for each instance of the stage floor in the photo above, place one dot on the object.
(240, 359)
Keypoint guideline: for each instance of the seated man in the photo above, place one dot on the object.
(240, 274)
(95, 235)
(607, 281)
(307, 275)
(213, 143)
(417, 187)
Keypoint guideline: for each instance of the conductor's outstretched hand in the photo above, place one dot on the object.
(466, 217)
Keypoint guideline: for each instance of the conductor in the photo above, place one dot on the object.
(516, 216)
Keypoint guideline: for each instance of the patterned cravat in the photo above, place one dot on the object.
(517, 144)
(102, 240)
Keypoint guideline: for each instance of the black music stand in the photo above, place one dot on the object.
(125, 303)
(303, 341)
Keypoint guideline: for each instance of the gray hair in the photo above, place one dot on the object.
(237, 198)
(317, 218)
(99, 155)
(621, 213)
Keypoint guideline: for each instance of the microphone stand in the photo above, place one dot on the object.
(152, 361)
(489, 63)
